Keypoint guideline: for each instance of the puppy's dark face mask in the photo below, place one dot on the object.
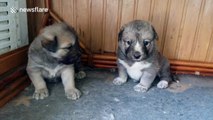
(137, 40)
(73, 54)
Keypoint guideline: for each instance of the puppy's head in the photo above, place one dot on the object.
(137, 40)
(61, 42)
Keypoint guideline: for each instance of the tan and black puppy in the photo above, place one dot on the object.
(55, 53)
(138, 57)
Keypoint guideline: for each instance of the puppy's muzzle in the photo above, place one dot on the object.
(137, 55)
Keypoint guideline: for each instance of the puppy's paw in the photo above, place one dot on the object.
(140, 88)
(118, 81)
(80, 75)
(73, 94)
(162, 84)
(40, 94)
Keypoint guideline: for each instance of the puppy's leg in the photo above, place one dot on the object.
(122, 78)
(41, 90)
(145, 81)
(165, 75)
(68, 76)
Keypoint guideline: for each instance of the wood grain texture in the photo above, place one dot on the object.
(15, 90)
(204, 33)
(83, 24)
(185, 27)
(67, 12)
(189, 29)
(57, 6)
(143, 9)
(97, 16)
(174, 22)
(158, 19)
(31, 19)
(127, 14)
(36, 23)
(110, 36)
(13, 59)
(209, 55)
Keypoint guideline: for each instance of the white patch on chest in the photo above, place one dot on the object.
(53, 72)
(135, 70)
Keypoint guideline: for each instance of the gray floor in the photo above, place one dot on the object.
(191, 99)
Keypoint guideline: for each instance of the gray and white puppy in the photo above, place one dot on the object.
(55, 53)
(138, 57)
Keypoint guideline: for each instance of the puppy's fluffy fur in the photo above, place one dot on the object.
(138, 57)
(54, 54)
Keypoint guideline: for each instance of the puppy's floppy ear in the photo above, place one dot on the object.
(155, 33)
(50, 45)
(120, 34)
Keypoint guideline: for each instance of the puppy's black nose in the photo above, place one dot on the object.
(137, 55)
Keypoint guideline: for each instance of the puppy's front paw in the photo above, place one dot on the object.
(162, 84)
(118, 81)
(40, 94)
(73, 94)
(140, 88)
(80, 75)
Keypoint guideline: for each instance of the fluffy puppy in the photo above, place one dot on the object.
(54, 54)
(138, 57)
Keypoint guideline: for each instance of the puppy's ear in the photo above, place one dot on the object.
(120, 34)
(50, 45)
(155, 33)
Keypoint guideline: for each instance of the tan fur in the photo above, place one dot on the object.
(49, 58)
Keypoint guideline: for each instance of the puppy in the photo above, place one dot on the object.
(138, 57)
(54, 54)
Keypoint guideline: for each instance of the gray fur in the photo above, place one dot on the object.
(54, 54)
(139, 58)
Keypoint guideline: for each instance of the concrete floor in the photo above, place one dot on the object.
(191, 99)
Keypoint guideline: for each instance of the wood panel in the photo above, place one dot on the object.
(127, 13)
(185, 27)
(97, 18)
(143, 9)
(13, 59)
(189, 29)
(110, 31)
(173, 27)
(158, 19)
(204, 34)
(209, 55)
(57, 6)
(34, 19)
(31, 19)
(68, 12)
(83, 23)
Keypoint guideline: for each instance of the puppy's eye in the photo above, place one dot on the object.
(146, 43)
(69, 47)
(128, 42)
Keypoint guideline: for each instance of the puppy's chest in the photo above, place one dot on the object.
(135, 71)
(52, 72)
